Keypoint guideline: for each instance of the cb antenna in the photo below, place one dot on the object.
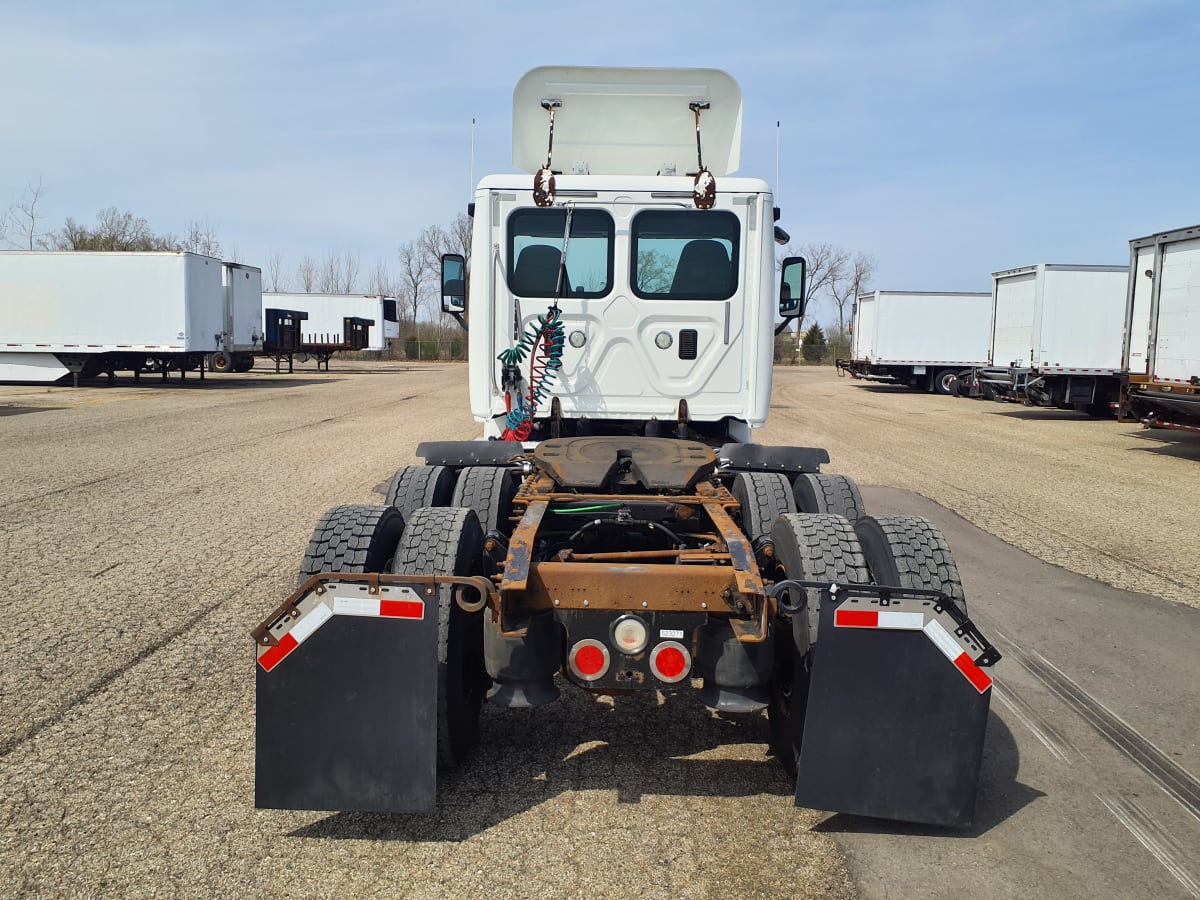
(778, 184)
(471, 173)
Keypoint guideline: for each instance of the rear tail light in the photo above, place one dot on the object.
(588, 660)
(670, 662)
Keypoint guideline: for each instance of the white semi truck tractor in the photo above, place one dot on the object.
(615, 528)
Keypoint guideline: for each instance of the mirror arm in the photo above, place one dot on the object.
(459, 319)
(781, 326)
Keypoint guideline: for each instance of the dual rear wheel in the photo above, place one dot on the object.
(433, 541)
(899, 551)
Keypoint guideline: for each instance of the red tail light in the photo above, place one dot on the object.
(588, 660)
(670, 662)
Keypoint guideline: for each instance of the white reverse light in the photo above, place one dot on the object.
(577, 339)
(663, 340)
(630, 635)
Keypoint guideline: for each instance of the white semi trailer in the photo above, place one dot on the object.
(1056, 336)
(1162, 332)
(85, 314)
(614, 530)
(327, 314)
(921, 339)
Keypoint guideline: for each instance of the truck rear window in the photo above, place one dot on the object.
(685, 254)
(535, 240)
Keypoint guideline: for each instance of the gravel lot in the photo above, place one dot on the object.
(148, 528)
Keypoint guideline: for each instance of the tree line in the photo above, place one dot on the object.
(836, 276)
(411, 277)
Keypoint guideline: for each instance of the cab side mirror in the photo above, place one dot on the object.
(454, 283)
(791, 287)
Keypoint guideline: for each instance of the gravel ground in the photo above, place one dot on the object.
(148, 528)
(1115, 502)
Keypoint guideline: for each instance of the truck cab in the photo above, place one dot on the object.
(666, 296)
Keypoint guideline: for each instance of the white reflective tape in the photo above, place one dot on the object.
(316, 617)
(356, 606)
(941, 637)
(906, 621)
(671, 633)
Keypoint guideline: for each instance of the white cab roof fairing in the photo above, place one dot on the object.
(627, 121)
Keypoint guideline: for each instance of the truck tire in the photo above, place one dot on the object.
(943, 381)
(808, 547)
(763, 497)
(911, 552)
(220, 362)
(489, 490)
(353, 539)
(449, 541)
(413, 487)
(835, 494)
(243, 363)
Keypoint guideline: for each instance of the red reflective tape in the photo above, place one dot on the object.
(402, 609)
(274, 656)
(856, 618)
(974, 674)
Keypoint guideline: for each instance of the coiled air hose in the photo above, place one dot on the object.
(543, 344)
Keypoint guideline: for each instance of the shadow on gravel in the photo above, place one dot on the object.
(210, 383)
(578, 743)
(21, 410)
(874, 387)
(1041, 414)
(1000, 797)
(1163, 442)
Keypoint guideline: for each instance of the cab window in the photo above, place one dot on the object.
(685, 254)
(535, 240)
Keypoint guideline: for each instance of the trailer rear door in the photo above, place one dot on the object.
(1177, 339)
(1014, 303)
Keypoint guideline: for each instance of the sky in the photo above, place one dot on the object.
(946, 138)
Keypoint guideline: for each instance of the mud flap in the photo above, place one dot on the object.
(897, 710)
(346, 701)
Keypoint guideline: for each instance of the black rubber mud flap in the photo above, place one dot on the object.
(897, 712)
(346, 704)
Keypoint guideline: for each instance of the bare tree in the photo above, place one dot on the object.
(380, 281)
(338, 274)
(415, 271)
(24, 216)
(827, 264)
(349, 279)
(202, 238)
(437, 241)
(114, 230)
(306, 273)
(329, 276)
(276, 280)
(845, 288)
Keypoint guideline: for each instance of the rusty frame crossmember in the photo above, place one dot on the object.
(723, 578)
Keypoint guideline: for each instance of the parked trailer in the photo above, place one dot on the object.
(1056, 337)
(327, 314)
(620, 533)
(85, 314)
(1162, 334)
(919, 338)
(242, 335)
